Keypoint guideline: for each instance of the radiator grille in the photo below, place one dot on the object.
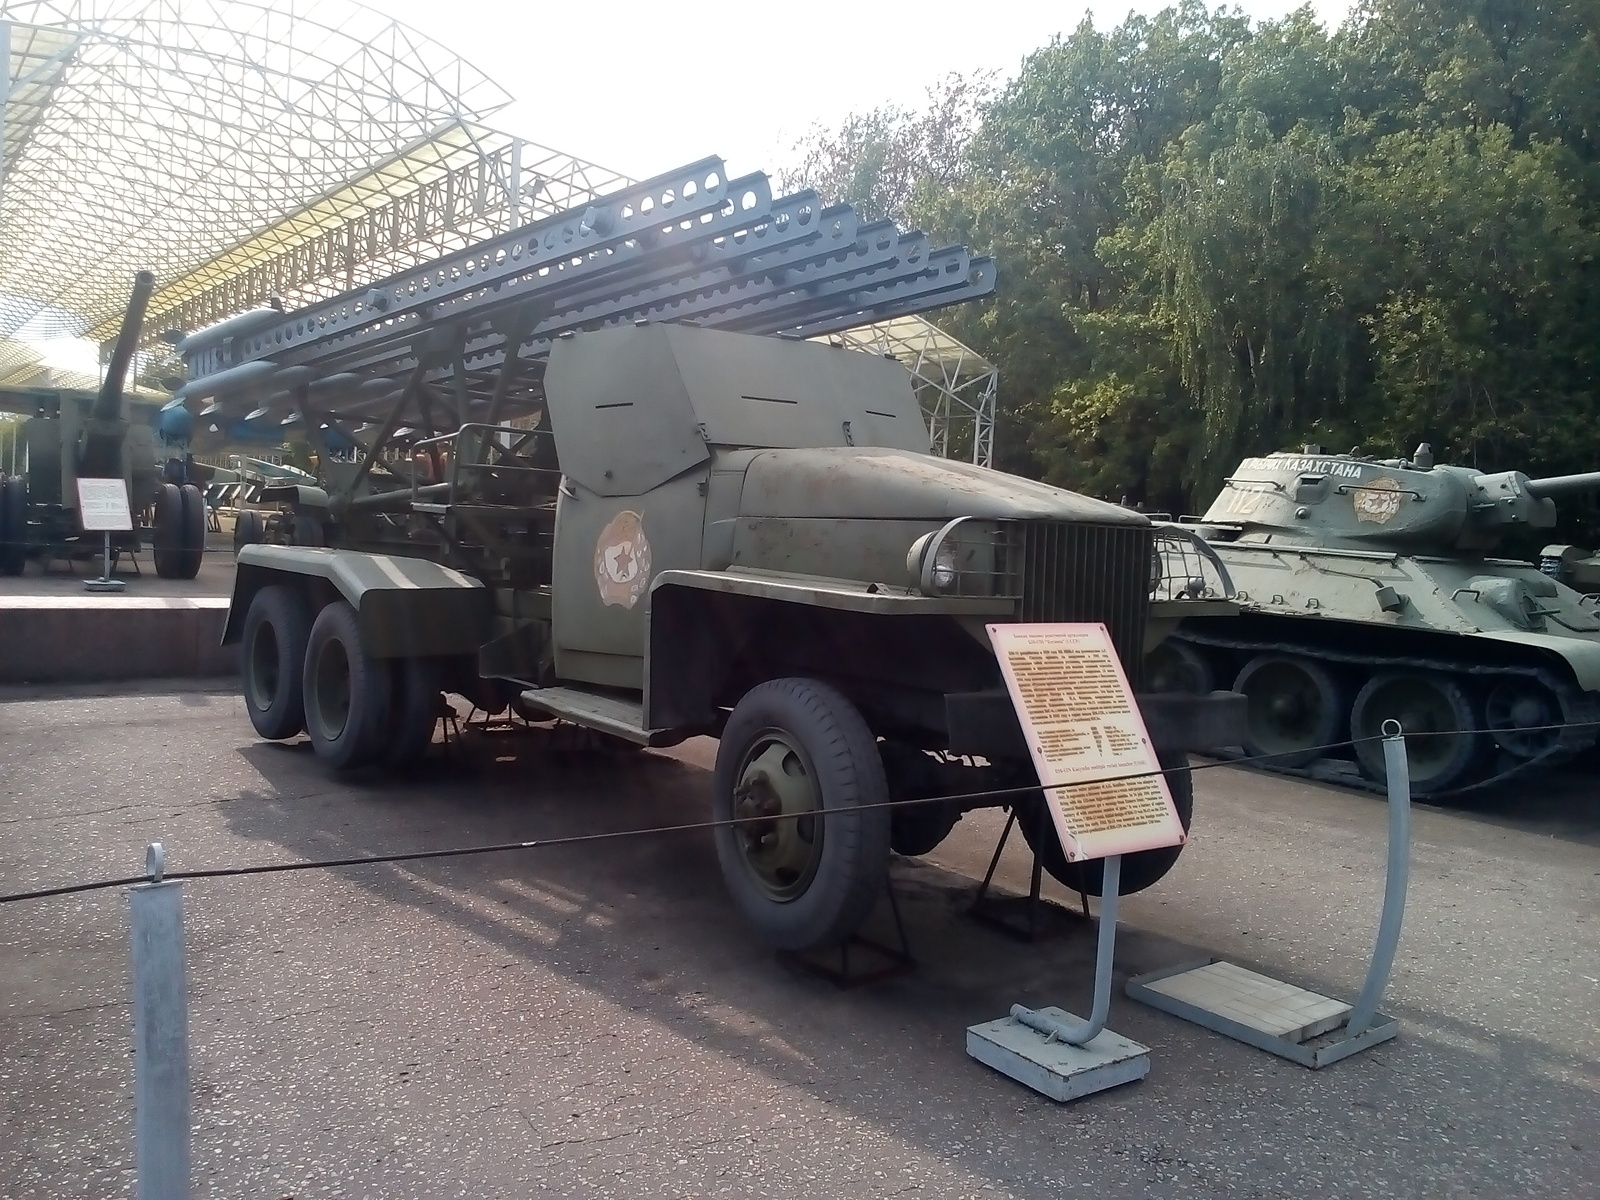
(1090, 573)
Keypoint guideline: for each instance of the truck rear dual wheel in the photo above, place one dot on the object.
(348, 693)
(13, 526)
(1140, 870)
(180, 531)
(798, 762)
(248, 529)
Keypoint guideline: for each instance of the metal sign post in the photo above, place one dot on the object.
(1107, 797)
(103, 506)
(160, 1035)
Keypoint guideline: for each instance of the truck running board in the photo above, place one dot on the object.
(619, 716)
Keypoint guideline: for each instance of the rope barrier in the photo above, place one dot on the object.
(1020, 791)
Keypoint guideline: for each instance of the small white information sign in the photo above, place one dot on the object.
(103, 505)
(1084, 728)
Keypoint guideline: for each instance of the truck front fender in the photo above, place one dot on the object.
(407, 607)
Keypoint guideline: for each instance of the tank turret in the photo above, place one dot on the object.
(1411, 505)
(1370, 590)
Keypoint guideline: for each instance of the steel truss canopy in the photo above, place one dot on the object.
(287, 154)
(144, 134)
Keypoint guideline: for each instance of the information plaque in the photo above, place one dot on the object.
(103, 505)
(1084, 729)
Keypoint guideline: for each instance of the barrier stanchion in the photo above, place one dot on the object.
(160, 1035)
(1280, 1018)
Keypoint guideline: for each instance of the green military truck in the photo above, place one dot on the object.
(714, 533)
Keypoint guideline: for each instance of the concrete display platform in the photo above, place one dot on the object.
(54, 631)
(596, 1021)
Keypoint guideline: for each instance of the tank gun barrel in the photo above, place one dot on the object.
(1565, 485)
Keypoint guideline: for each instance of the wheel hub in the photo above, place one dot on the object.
(782, 842)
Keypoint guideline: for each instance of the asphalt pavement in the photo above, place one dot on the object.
(594, 1020)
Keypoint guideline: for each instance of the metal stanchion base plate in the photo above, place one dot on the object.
(1291, 1022)
(104, 585)
(1059, 1070)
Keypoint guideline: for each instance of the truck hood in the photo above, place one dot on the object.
(878, 483)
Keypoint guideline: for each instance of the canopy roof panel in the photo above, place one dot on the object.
(147, 134)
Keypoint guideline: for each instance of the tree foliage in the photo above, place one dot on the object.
(1218, 237)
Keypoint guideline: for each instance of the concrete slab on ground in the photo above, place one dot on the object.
(596, 1021)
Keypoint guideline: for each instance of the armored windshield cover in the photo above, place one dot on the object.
(633, 407)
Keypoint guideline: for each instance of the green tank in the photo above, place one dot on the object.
(1370, 589)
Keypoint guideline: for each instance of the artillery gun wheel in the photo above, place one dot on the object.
(1140, 870)
(1439, 717)
(248, 529)
(414, 708)
(167, 539)
(1294, 706)
(347, 691)
(1176, 666)
(13, 526)
(193, 539)
(276, 630)
(792, 749)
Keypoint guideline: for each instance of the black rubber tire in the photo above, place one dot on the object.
(193, 545)
(915, 829)
(1178, 666)
(1320, 723)
(1140, 870)
(308, 530)
(1436, 763)
(347, 692)
(13, 526)
(167, 534)
(841, 756)
(248, 529)
(415, 692)
(272, 661)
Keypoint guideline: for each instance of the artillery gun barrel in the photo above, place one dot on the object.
(1565, 485)
(108, 404)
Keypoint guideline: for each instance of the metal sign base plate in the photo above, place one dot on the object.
(1058, 1069)
(1277, 1017)
(104, 585)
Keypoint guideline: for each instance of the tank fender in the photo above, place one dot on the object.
(1581, 655)
(406, 607)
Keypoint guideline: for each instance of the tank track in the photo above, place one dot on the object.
(1580, 710)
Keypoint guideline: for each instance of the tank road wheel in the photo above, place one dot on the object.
(167, 539)
(1140, 870)
(1437, 714)
(193, 537)
(248, 529)
(347, 691)
(1519, 711)
(792, 750)
(1176, 666)
(13, 526)
(1293, 706)
(414, 698)
(276, 630)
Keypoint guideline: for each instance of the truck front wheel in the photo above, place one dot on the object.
(1140, 870)
(798, 763)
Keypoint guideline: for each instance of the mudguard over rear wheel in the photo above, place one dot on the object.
(799, 762)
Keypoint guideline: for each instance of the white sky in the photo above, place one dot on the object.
(643, 88)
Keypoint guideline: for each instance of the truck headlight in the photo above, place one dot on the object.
(958, 560)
